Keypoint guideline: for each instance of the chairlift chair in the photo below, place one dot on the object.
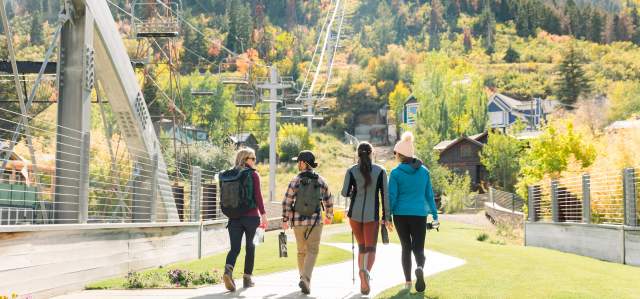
(153, 19)
(245, 97)
(232, 78)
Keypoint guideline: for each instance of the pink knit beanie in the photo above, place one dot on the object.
(405, 145)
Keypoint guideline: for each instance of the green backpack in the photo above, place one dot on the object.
(236, 194)
(308, 196)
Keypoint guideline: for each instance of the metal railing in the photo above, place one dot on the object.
(123, 182)
(609, 197)
(506, 200)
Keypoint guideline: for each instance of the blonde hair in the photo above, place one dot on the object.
(242, 155)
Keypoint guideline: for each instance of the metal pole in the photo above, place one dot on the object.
(273, 106)
(586, 198)
(75, 84)
(630, 205)
(196, 183)
(83, 192)
(154, 188)
(555, 208)
(532, 204)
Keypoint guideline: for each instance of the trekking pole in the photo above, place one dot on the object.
(353, 261)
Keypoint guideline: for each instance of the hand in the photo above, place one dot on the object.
(264, 222)
(436, 224)
(327, 220)
(285, 225)
(388, 225)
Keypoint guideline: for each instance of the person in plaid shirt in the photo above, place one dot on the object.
(307, 229)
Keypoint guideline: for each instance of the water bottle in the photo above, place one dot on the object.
(259, 237)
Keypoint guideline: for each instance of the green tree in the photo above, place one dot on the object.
(573, 81)
(500, 157)
(549, 155)
(488, 25)
(396, 102)
(511, 56)
(35, 35)
(522, 21)
(435, 25)
(240, 26)
(625, 100)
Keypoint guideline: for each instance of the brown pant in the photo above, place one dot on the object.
(307, 249)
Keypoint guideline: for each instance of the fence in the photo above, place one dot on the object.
(600, 198)
(123, 183)
(594, 215)
(506, 200)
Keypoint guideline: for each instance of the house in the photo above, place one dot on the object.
(184, 134)
(504, 111)
(245, 140)
(462, 155)
(410, 110)
(623, 125)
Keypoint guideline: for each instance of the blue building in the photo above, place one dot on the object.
(505, 111)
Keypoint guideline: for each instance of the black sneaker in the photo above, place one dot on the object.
(420, 285)
(304, 287)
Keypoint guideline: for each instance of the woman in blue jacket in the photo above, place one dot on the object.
(411, 200)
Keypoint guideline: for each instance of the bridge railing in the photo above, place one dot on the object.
(123, 181)
(609, 197)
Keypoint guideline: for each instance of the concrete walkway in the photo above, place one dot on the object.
(331, 281)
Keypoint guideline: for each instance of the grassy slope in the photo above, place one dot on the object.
(511, 271)
(267, 261)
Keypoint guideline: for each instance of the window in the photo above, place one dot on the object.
(465, 151)
(497, 118)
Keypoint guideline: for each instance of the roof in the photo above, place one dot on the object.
(410, 99)
(241, 137)
(4, 147)
(624, 125)
(447, 144)
(515, 105)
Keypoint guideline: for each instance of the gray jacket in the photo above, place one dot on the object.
(365, 202)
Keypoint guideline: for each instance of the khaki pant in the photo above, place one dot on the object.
(307, 249)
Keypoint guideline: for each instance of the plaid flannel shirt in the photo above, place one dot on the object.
(288, 215)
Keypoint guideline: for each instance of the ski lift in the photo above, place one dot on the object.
(229, 74)
(199, 93)
(245, 97)
(152, 18)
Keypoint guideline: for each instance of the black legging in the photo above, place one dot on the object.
(246, 225)
(411, 231)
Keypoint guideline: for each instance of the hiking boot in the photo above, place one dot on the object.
(228, 278)
(420, 285)
(304, 287)
(247, 282)
(365, 288)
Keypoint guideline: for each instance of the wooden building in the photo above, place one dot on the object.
(462, 156)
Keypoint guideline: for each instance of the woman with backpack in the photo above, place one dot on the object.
(246, 224)
(366, 184)
(411, 200)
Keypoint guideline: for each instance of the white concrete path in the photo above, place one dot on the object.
(331, 281)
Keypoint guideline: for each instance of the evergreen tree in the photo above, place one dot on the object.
(511, 56)
(572, 81)
(488, 20)
(435, 25)
(504, 11)
(452, 14)
(522, 21)
(240, 26)
(35, 34)
(467, 40)
(622, 27)
(596, 27)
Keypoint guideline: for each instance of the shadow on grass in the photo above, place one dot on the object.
(403, 294)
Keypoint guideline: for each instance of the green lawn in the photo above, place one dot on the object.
(512, 271)
(267, 261)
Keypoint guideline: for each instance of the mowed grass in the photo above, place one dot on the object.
(267, 261)
(513, 271)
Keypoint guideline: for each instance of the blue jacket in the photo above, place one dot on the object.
(410, 191)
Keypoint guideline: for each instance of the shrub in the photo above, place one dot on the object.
(263, 152)
(289, 147)
(134, 281)
(180, 278)
(338, 216)
(456, 193)
(207, 278)
(298, 131)
(482, 237)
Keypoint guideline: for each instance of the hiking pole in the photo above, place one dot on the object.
(353, 261)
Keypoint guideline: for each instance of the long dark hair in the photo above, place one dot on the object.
(364, 161)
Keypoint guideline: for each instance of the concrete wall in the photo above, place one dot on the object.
(611, 243)
(499, 214)
(49, 260)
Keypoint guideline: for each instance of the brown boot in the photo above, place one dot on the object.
(228, 278)
(304, 286)
(247, 282)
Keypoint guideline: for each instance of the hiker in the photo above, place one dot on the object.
(247, 220)
(306, 197)
(366, 184)
(411, 200)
